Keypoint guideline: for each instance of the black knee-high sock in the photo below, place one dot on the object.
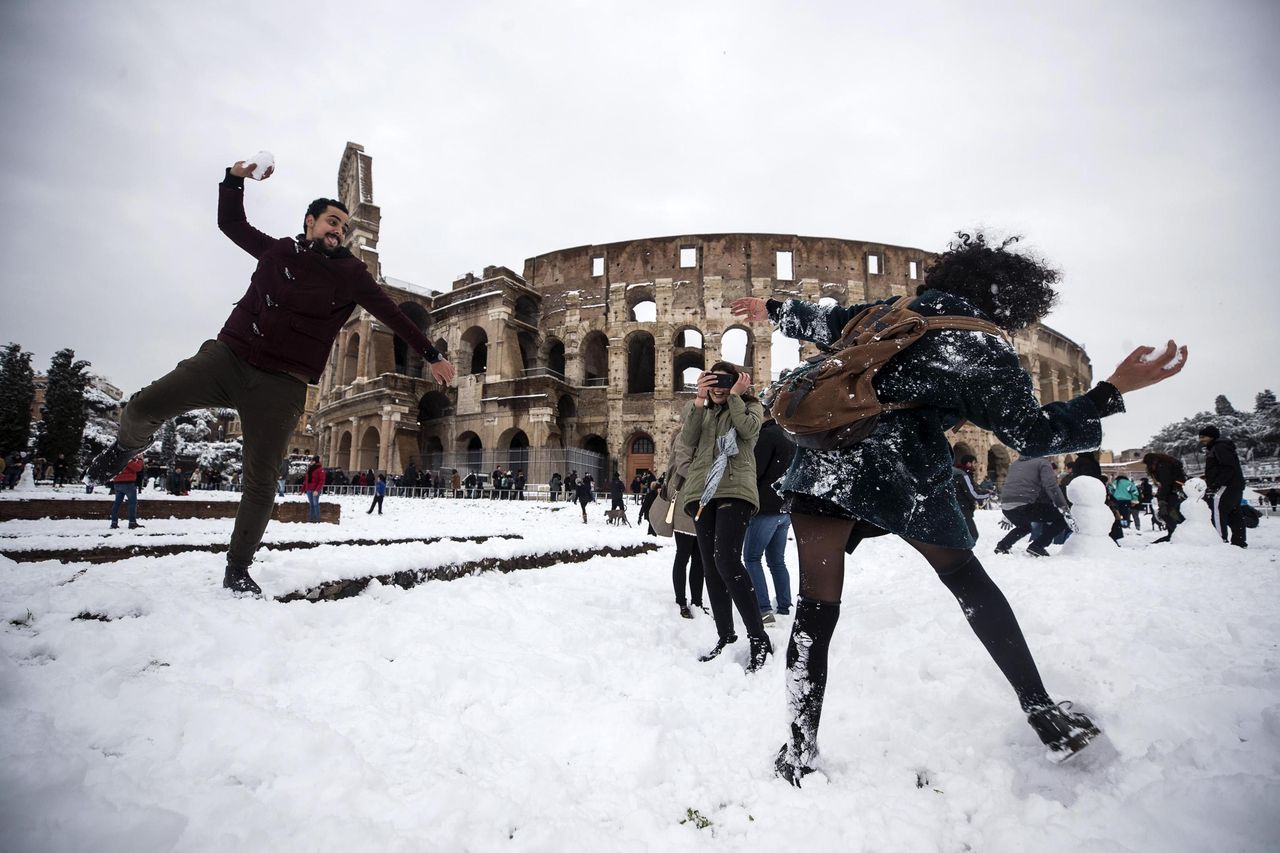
(807, 650)
(991, 618)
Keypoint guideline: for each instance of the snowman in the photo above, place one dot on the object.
(26, 480)
(1093, 519)
(1198, 528)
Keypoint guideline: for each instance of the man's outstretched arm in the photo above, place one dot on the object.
(231, 218)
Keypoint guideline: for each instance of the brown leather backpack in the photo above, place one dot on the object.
(828, 402)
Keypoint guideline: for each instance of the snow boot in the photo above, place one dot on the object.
(238, 581)
(1063, 732)
(107, 464)
(685, 613)
(761, 648)
(719, 647)
(811, 632)
(1037, 551)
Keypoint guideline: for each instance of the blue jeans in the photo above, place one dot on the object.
(313, 498)
(125, 491)
(280, 487)
(767, 535)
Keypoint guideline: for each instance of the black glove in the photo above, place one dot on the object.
(1006, 524)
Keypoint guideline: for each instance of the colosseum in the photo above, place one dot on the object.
(583, 360)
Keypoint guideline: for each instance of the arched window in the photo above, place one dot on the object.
(641, 357)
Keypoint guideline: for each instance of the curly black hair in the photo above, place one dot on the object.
(1014, 290)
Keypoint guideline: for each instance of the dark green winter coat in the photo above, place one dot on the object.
(899, 477)
(702, 427)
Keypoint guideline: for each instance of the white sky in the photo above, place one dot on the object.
(1134, 144)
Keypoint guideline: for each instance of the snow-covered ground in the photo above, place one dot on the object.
(565, 709)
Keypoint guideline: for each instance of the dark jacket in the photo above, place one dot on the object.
(899, 477)
(966, 494)
(1168, 473)
(299, 297)
(1222, 465)
(774, 452)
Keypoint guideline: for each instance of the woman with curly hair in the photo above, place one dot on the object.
(898, 479)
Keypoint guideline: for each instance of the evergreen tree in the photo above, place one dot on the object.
(64, 411)
(100, 426)
(1223, 406)
(1265, 401)
(17, 393)
(169, 444)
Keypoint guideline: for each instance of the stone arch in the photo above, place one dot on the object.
(687, 356)
(474, 351)
(469, 450)
(528, 349)
(998, 461)
(432, 450)
(553, 357)
(1045, 383)
(433, 406)
(566, 406)
(738, 346)
(595, 359)
(344, 450)
(640, 455)
(351, 359)
(526, 310)
(442, 347)
(641, 304)
(641, 363)
(516, 442)
(408, 360)
(370, 446)
(595, 443)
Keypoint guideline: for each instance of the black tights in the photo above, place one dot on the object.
(687, 554)
(722, 527)
(821, 544)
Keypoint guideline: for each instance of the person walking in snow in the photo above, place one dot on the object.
(585, 494)
(379, 492)
(1224, 480)
(1125, 494)
(720, 494)
(553, 487)
(1169, 475)
(275, 341)
(682, 530)
(896, 480)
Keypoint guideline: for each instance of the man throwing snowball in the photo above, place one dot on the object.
(275, 342)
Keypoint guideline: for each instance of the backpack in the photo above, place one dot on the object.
(1249, 516)
(828, 402)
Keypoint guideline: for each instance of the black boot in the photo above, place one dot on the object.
(761, 648)
(719, 647)
(811, 632)
(107, 464)
(237, 580)
(1063, 732)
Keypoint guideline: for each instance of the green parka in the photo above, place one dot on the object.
(702, 429)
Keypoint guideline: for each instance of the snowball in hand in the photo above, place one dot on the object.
(262, 161)
(1158, 353)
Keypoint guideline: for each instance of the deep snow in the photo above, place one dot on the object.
(565, 709)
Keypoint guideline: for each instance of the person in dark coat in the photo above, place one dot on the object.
(646, 503)
(276, 340)
(1169, 475)
(1224, 481)
(897, 480)
(768, 528)
(571, 486)
(553, 488)
(966, 494)
(585, 493)
(616, 498)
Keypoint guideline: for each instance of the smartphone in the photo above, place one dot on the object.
(724, 380)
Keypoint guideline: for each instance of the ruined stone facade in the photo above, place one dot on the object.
(592, 347)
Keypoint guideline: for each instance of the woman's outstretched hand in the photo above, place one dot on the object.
(1145, 366)
(749, 308)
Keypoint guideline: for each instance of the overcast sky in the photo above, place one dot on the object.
(1134, 143)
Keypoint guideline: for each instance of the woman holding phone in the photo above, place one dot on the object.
(720, 495)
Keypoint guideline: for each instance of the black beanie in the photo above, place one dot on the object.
(1210, 430)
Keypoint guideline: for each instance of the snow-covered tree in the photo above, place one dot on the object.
(64, 412)
(1264, 401)
(100, 428)
(17, 393)
(1223, 406)
(193, 439)
(1256, 434)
